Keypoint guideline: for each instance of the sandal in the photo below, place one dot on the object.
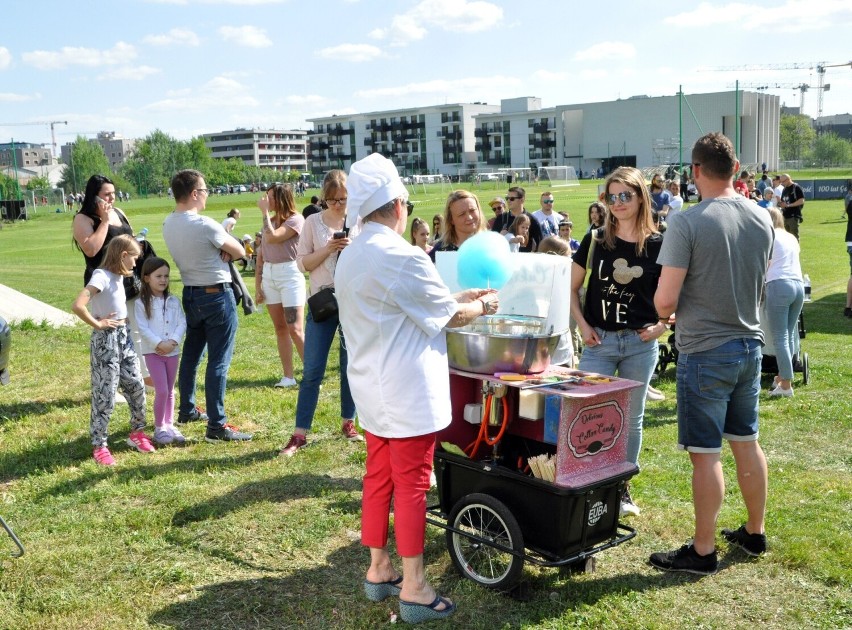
(412, 612)
(379, 591)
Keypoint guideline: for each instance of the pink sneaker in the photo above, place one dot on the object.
(140, 442)
(103, 457)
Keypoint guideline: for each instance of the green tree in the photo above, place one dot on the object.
(38, 182)
(158, 156)
(8, 187)
(87, 159)
(797, 137)
(832, 150)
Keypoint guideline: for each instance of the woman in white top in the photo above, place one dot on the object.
(785, 293)
(278, 281)
(322, 238)
(230, 221)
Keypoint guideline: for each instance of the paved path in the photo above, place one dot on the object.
(15, 307)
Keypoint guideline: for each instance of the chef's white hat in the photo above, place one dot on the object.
(373, 181)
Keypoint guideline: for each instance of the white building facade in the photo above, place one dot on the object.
(437, 139)
(281, 150)
(520, 133)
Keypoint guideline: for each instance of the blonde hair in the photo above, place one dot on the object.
(114, 260)
(449, 236)
(334, 180)
(777, 218)
(644, 221)
(415, 226)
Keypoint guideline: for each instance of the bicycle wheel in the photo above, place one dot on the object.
(481, 516)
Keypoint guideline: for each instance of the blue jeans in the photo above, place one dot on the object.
(623, 353)
(784, 299)
(318, 338)
(211, 323)
(718, 393)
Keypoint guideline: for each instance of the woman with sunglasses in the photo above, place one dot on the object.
(618, 322)
(323, 238)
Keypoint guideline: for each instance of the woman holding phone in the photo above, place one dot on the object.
(323, 236)
(96, 223)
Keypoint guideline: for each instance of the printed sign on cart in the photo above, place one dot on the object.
(595, 429)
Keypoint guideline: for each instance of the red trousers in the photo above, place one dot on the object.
(398, 468)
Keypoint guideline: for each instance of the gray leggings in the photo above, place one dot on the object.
(114, 363)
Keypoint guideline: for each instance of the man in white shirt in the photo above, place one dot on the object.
(676, 202)
(394, 309)
(547, 219)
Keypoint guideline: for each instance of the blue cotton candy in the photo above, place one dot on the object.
(484, 262)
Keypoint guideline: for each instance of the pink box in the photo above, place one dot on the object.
(592, 441)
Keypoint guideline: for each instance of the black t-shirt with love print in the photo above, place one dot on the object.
(621, 287)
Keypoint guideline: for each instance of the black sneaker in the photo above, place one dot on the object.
(752, 544)
(196, 415)
(226, 434)
(685, 559)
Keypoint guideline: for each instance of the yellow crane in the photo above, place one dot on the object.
(36, 123)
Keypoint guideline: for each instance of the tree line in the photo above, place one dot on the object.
(800, 142)
(155, 159)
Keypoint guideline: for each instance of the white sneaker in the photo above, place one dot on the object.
(654, 394)
(780, 391)
(286, 382)
(163, 436)
(177, 436)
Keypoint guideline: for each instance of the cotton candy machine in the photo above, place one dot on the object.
(533, 465)
(502, 343)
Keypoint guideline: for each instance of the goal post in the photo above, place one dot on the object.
(558, 176)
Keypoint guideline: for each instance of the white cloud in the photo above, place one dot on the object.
(245, 3)
(129, 73)
(355, 53)
(219, 93)
(796, 16)
(459, 16)
(445, 87)
(11, 97)
(250, 36)
(606, 50)
(306, 99)
(176, 36)
(544, 76)
(5, 58)
(119, 54)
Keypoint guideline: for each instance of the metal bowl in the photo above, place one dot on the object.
(501, 343)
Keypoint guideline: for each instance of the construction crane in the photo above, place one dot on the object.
(52, 123)
(820, 67)
(801, 87)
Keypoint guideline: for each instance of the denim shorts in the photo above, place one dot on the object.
(717, 395)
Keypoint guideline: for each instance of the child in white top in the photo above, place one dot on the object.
(519, 232)
(113, 359)
(162, 325)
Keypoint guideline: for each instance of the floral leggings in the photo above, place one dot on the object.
(114, 363)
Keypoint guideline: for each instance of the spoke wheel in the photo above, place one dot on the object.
(484, 517)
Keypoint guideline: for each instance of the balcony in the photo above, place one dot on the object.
(479, 132)
(540, 127)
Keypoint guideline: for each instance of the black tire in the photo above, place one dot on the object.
(485, 517)
(805, 368)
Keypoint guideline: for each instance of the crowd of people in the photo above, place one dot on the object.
(643, 255)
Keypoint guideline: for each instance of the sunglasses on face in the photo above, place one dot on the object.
(623, 197)
(547, 201)
(512, 198)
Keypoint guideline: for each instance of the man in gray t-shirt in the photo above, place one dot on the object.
(714, 260)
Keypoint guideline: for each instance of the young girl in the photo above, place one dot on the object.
(113, 359)
(420, 235)
(519, 232)
(162, 325)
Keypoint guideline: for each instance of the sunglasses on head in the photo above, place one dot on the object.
(623, 197)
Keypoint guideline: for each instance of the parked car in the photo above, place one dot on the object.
(239, 188)
(5, 346)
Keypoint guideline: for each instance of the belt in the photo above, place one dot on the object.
(212, 288)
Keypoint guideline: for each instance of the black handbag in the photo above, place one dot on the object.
(323, 304)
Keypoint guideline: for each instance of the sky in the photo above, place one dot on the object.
(189, 67)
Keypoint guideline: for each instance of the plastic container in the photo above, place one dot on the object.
(555, 521)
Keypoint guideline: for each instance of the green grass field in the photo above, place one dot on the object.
(231, 536)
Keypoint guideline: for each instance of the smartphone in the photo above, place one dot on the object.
(342, 234)
(103, 201)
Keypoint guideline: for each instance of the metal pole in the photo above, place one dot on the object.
(737, 118)
(680, 124)
(15, 168)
